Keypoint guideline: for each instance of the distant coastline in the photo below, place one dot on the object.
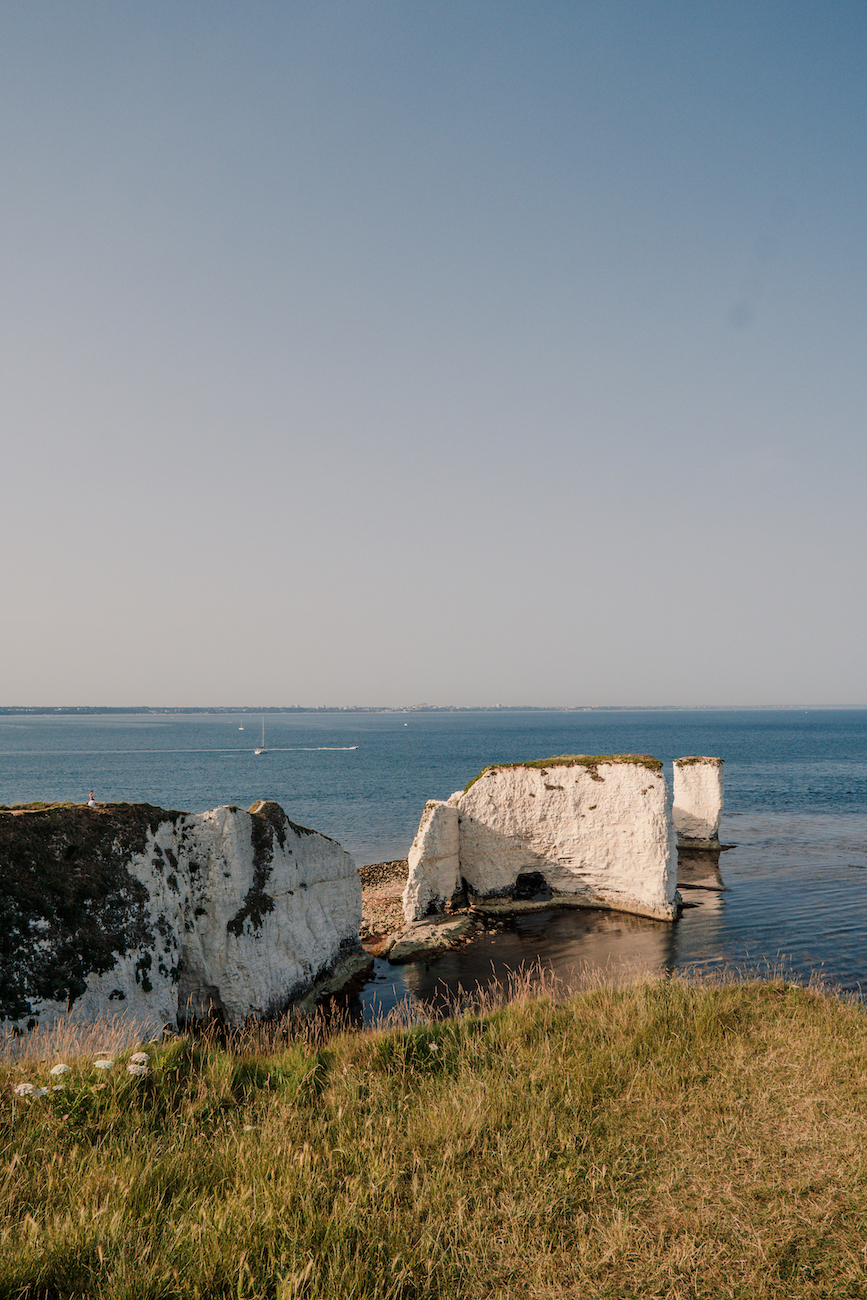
(88, 710)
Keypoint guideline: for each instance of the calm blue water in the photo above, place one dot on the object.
(794, 889)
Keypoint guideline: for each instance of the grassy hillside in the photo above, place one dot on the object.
(659, 1140)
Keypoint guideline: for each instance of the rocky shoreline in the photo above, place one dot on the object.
(382, 886)
(384, 931)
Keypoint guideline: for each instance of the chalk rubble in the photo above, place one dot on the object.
(697, 801)
(225, 912)
(590, 832)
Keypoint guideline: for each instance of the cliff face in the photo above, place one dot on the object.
(161, 914)
(592, 831)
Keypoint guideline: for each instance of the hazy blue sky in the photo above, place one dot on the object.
(452, 352)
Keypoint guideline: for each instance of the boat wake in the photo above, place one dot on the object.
(100, 753)
(303, 749)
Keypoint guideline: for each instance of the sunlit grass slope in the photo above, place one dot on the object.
(658, 1140)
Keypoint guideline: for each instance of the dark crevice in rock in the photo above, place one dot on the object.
(531, 886)
(258, 902)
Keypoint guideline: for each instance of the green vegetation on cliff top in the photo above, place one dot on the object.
(590, 761)
(661, 1140)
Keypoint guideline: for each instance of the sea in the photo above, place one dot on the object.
(788, 897)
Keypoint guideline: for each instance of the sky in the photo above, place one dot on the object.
(462, 353)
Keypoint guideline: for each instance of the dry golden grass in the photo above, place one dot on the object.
(659, 1140)
(69, 1037)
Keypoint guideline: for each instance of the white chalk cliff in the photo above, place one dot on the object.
(434, 878)
(697, 801)
(594, 832)
(166, 915)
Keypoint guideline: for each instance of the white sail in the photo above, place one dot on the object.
(262, 750)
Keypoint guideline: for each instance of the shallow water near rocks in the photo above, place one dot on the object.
(789, 898)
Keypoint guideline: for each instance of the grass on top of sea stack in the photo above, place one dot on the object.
(588, 761)
(659, 1140)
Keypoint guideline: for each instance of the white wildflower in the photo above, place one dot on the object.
(103, 1065)
(40, 1092)
(138, 1070)
(60, 1068)
(59, 1087)
(139, 1058)
(25, 1090)
(434, 1047)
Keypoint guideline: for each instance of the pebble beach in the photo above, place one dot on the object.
(382, 886)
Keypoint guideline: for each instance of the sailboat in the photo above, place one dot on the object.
(263, 750)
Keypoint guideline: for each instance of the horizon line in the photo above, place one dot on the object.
(11, 709)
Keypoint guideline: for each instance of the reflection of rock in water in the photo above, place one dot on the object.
(573, 946)
(699, 869)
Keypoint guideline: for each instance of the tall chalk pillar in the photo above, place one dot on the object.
(434, 862)
(697, 801)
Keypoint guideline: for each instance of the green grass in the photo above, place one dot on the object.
(658, 1140)
(36, 806)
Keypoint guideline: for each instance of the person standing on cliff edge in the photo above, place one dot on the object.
(91, 802)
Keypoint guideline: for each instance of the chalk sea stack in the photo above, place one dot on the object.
(591, 831)
(697, 801)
